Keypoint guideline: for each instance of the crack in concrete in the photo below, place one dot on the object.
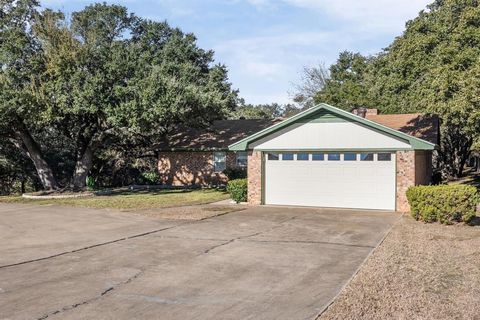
(88, 247)
(102, 294)
(219, 245)
(227, 242)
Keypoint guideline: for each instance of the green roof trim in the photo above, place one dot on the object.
(328, 113)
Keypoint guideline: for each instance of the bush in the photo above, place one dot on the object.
(150, 178)
(445, 203)
(238, 190)
(90, 182)
(235, 173)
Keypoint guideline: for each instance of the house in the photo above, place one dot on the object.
(199, 156)
(323, 156)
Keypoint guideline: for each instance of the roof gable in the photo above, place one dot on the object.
(326, 113)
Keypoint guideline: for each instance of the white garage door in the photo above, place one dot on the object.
(342, 180)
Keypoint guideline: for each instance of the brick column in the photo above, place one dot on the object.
(254, 171)
(405, 178)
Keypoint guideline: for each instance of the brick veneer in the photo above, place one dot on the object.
(413, 168)
(405, 177)
(254, 177)
(191, 168)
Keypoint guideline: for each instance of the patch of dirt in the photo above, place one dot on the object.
(421, 271)
(198, 212)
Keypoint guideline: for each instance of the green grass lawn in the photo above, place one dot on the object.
(128, 200)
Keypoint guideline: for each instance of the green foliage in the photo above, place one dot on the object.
(238, 190)
(434, 67)
(264, 111)
(90, 182)
(445, 203)
(346, 86)
(100, 79)
(17, 174)
(150, 177)
(235, 173)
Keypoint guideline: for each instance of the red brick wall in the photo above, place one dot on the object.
(191, 168)
(405, 177)
(254, 177)
(413, 168)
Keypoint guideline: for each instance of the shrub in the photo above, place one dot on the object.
(90, 182)
(238, 190)
(235, 173)
(149, 177)
(445, 203)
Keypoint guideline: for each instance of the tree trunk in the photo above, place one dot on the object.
(31, 147)
(22, 186)
(465, 152)
(82, 168)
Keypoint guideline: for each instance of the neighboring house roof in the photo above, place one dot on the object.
(419, 125)
(218, 136)
(325, 112)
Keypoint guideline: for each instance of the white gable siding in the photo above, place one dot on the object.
(329, 135)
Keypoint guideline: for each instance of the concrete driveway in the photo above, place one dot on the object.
(259, 263)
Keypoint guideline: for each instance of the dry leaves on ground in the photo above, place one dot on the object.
(421, 271)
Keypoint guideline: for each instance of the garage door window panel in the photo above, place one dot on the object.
(334, 157)
(350, 156)
(318, 156)
(384, 157)
(273, 156)
(366, 156)
(287, 156)
(302, 156)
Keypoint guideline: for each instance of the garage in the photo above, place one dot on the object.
(328, 157)
(342, 180)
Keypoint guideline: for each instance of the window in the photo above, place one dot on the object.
(287, 156)
(384, 157)
(366, 156)
(272, 156)
(350, 157)
(334, 157)
(241, 159)
(219, 161)
(302, 156)
(318, 156)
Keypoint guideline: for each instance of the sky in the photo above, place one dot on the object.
(266, 43)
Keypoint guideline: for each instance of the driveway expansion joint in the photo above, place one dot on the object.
(88, 247)
(311, 242)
